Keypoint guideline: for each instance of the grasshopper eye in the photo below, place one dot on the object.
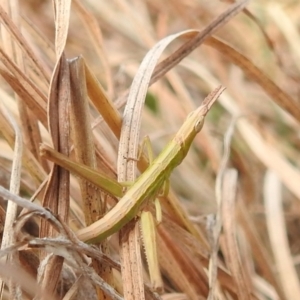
(199, 124)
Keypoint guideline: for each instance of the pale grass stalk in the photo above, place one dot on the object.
(232, 251)
(265, 288)
(278, 236)
(11, 211)
(288, 29)
(214, 222)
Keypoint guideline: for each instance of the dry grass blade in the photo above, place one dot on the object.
(259, 252)
(172, 260)
(271, 158)
(102, 103)
(32, 207)
(77, 246)
(57, 192)
(32, 165)
(62, 10)
(214, 222)
(20, 40)
(59, 248)
(278, 238)
(24, 280)
(288, 29)
(272, 89)
(11, 211)
(93, 205)
(232, 254)
(26, 124)
(90, 21)
(24, 87)
(83, 139)
(191, 45)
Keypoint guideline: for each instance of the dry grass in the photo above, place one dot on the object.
(231, 221)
